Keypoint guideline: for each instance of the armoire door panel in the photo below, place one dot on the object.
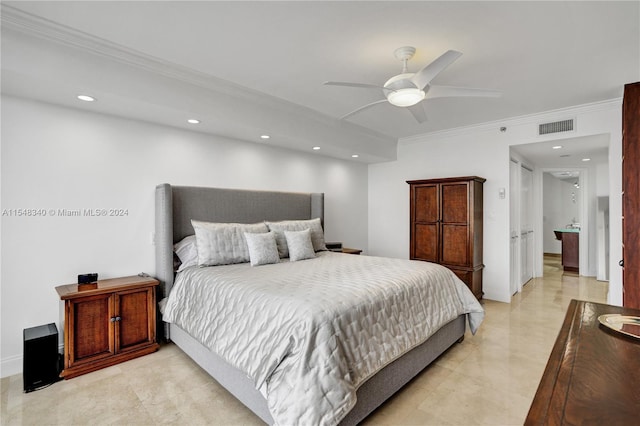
(455, 203)
(455, 245)
(426, 242)
(426, 203)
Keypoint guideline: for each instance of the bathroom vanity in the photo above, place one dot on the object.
(570, 238)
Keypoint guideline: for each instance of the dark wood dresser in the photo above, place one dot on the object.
(593, 373)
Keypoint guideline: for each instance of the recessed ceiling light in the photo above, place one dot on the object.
(86, 98)
(316, 148)
(264, 136)
(355, 156)
(586, 159)
(193, 121)
(557, 147)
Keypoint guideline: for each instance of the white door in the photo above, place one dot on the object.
(526, 224)
(514, 226)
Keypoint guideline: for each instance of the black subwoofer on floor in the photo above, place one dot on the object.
(41, 360)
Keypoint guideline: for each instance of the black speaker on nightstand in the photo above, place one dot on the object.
(41, 364)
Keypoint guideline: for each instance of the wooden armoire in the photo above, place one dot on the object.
(446, 226)
(631, 196)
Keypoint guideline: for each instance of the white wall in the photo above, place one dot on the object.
(551, 213)
(602, 181)
(571, 200)
(482, 155)
(484, 151)
(58, 158)
(602, 222)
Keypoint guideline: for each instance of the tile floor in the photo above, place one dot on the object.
(489, 379)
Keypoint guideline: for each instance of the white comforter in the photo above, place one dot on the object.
(309, 333)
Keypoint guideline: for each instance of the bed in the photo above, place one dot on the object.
(347, 393)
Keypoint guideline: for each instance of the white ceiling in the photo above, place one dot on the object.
(572, 154)
(276, 55)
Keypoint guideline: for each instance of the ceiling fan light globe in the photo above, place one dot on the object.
(405, 97)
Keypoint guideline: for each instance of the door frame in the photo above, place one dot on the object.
(515, 286)
(525, 243)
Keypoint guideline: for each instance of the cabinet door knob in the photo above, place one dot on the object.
(112, 319)
(621, 263)
(118, 318)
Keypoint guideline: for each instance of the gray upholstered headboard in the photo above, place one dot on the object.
(177, 205)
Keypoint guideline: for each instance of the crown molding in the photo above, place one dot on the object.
(516, 121)
(51, 31)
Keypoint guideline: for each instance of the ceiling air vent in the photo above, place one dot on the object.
(556, 127)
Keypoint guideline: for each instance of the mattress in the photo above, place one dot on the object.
(309, 333)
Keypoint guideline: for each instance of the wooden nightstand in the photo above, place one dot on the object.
(351, 250)
(107, 323)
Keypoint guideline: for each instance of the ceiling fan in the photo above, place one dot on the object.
(408, 89)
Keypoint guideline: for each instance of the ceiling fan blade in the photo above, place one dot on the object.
(418, 111)
(363, 108)
(450, 91)
(345, 83)
(428, 73)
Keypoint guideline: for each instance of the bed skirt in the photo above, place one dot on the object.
(370, 395)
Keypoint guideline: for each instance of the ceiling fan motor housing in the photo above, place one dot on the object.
(404, 53)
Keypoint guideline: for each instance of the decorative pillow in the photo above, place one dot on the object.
(317, 235)
(300, 245)
(187, 252)
(223, 243)
(262, 248)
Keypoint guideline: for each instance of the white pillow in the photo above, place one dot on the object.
(187, 252)
(223, 243)
(300, 245)
(317, 235)
(262, 248)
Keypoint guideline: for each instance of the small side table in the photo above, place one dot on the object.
(107, 323)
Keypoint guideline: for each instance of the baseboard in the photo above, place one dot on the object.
(552, 254)
(12, 365)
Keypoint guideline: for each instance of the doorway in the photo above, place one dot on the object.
(588, 156)
(563, 215)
